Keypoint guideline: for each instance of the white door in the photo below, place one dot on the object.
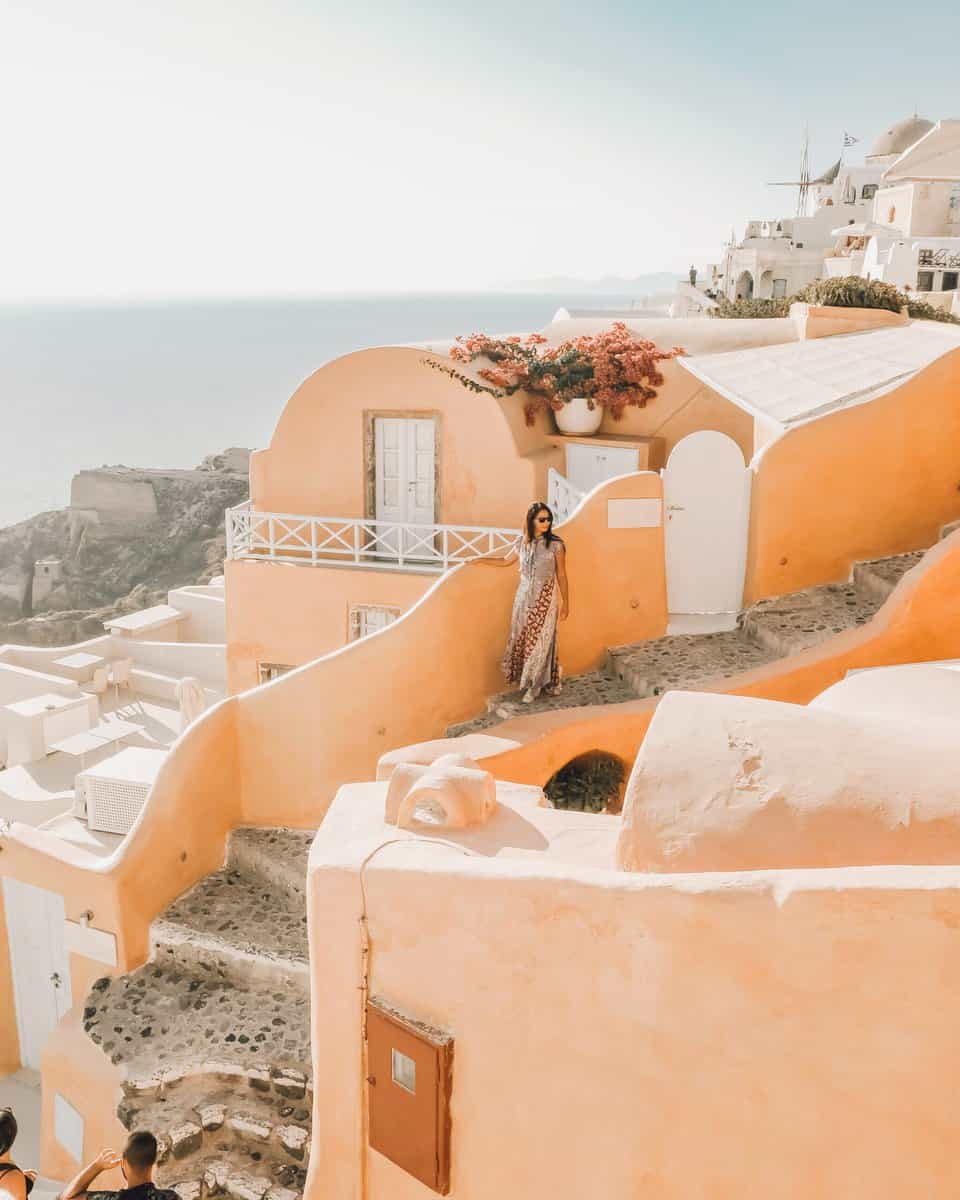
(405, 467)
(40, 963)
(589, 465)
(706, 490)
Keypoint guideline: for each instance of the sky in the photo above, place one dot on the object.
(250, 148)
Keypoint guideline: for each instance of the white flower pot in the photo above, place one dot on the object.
(575, 418)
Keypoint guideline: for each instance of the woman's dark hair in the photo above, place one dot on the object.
(533, 512)
(8, 1129)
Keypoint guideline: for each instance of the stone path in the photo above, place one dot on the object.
(769, 630)
(212, 1036)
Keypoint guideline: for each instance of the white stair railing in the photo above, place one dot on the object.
(562, 496)
(357, 542)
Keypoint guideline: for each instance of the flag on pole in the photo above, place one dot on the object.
(849, 139)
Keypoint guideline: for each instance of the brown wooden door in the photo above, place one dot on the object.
(409, 1095)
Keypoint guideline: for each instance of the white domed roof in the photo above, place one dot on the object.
(900, 137)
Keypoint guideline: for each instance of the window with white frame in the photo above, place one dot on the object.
(779, 289)
(268, 671)
(368, 618)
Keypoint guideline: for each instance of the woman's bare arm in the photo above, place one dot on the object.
(494, 560)
(562, 583)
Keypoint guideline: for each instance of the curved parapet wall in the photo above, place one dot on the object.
(876, 479)
(726, 783)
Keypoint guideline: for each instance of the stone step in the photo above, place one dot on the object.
(162, 1023)
(684, 660)
(249, 1179)
(277, 857)
(788, 624)
(879, 576)
(197, 1128)
(769, 630)
(235, 928)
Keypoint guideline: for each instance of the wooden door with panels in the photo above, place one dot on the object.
(405, 466)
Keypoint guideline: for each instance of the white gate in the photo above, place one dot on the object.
(40, 964)
(405, 471)
(706, 490)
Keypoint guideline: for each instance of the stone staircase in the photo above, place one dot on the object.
(769, 630)
(212, 1035)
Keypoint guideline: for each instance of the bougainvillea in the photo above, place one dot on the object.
(613, 370)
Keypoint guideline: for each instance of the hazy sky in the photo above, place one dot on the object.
(224, 147)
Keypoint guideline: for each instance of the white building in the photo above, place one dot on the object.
(917, 249)
(777, 257)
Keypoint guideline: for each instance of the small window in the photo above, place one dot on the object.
(799, 245)
(270, 671)
(403, 1071)
(869, 191)
(368, 618)
(924, 281)
(950, 280)
(925, 258)
(779, 289)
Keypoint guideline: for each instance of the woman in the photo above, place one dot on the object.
(13, 1182)
(530, 660)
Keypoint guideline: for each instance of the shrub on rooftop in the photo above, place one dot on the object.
(613, 370)
(852, 291)
(751, 309)
(847, 291)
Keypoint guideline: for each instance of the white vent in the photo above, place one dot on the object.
(114, 791)
(112, 805)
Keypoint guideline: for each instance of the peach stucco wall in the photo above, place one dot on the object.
(684, 405)
(295, 614)
(9, 1038)
(763, 1034)
(873, 480)
(302, 736)
(724, 783)
(491, 465)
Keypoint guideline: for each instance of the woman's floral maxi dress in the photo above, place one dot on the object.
(530, 659)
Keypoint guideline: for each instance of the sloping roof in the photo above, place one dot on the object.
(935, 156)
(801, 381)
(829, 175)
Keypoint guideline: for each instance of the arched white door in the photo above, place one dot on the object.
(706, 490)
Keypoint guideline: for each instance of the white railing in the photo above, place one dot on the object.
(562, 496)
(356, 542)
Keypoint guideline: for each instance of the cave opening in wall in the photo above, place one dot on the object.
(591, 782)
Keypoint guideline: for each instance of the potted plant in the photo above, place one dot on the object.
(577, 380)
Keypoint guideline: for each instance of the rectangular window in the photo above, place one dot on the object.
(268, 671)
(869, 191)
(779, 289)
(368, 618)
(924, 281)
(950, 280)
(925, 258)
(403, 1071)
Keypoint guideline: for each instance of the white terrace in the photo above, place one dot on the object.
(358, 542)
(85, 728)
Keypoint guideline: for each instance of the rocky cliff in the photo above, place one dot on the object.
(128, 537)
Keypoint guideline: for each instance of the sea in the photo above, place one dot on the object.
(164, 384)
